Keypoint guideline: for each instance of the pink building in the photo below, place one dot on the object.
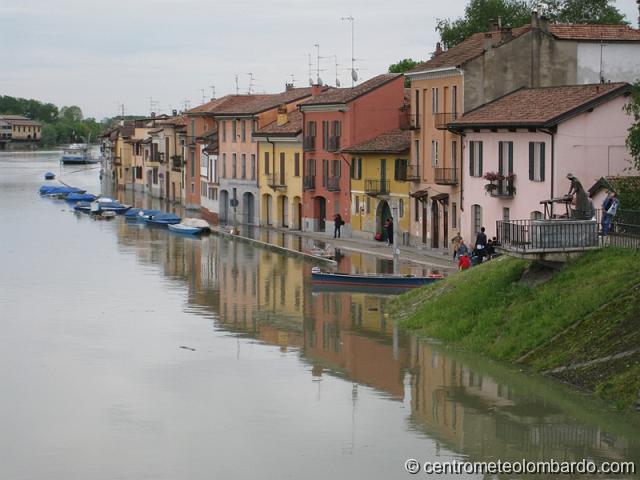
(518, 150)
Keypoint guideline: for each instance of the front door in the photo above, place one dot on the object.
(322, 213)
(424, 222)
(435, 224)
(445, 223)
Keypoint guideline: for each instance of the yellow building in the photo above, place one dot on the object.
(280, 170)
(379, 187)
(23, 128)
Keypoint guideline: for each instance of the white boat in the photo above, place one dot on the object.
(191, 226)
(77, 153)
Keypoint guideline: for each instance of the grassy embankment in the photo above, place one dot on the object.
(587, 312)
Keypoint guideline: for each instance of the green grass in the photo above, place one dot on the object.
(488, 310)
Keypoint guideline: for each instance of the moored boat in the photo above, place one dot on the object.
(49, 176)
(376, 281)
(84, 207)
(80, 197)
(58, 190)
(146, 214)
(77, 153)
(164, 219)
(191, 226)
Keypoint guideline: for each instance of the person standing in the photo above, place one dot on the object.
(605, 206)
(337, 224)
(389, 228)
(610, 213)
(481, 244)
(455, 243)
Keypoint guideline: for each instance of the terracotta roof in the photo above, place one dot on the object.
(211, 106)
(616, 184)
(394, 141)
(540, 107)
(19, 120)
(345, 95)
(254, 104)
(177, 121)
(291, 128)
(610, 33)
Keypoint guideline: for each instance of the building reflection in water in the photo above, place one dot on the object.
(470, 406)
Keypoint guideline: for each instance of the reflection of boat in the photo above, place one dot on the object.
(371, 280)
(191, 226)
(77, 153)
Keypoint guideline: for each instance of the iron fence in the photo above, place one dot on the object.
(547, 235)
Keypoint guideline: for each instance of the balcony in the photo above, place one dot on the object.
(333, 184)
(309, 144)
(413, 173)
(410, 121)
(501, 186)
(157, 157)
(446, 176)
(334, 144)
(373, 188)
(441, 120)
(276, 181)
(176, 163)
(309, 182)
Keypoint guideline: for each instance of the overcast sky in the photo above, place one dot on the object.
(98, 55)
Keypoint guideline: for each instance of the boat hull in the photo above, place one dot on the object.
(178, 228)
(372, 281)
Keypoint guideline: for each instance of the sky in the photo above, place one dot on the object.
(102, 55)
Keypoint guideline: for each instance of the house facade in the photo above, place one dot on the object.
(379, 187)
(333, 121)
(520, 148)
(280, 170)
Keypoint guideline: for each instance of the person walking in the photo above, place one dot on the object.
(605, 206)
(481, 244)
(610, 213)
(337, 225)
(455, 243)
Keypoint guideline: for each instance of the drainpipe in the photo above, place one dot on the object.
(551, 132)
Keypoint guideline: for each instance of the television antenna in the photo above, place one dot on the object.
(354, 73)
(213, 91)
(251, 85)
(318, 79)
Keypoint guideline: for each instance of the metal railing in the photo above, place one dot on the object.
(176, 163)
(276, 181)
(533, 236)
(502, 188)
(413, 173)
(446, 176)
(441, 120)
(309, 144)
(333, 184)
(376, 187)
(334, 144)
(309, 182)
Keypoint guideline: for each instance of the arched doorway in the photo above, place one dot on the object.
(283, 211)
(248, 208)
(296, 219)
(265, 215)
(320, 213)
(224, 206)
(383, 213)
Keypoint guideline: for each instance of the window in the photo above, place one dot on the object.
(296, 164)
(536, 161)
(400, 172)
(505, 158)
(536, 215)
(417, 107)
(203, 189)
(401, 208)
(192, 163)
(325, 134)
(475, 159)
(434, 153)
(213, 193)
(234, 132)
(454, 154)
(234, 165)
(253, 166)
(417, 155)
(336, 128)
(224, 165)
(335, 169)
(311, 167)
(356, 205)
(266, 163)
(416, 213)
(505, 214)
(454, 215)
(476, 218)
(454, 100)
(243, 131)
(356, 168)
(325, 172)
(223, 127)
(434, 100)
(311, 129)
(193, 128)
(243, 166)
(193, 187)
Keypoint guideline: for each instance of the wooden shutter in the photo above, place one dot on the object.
(542, 161)
(500, 158)
(472, 147)
(532, 154)
(510, 147)
(480, 166)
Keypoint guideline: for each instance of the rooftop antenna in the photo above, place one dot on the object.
(310, 71)
(154, 105)
(213, 91)
(318, 79)
(204, 100)
(293, 79)
(251, 79)
(237, 87)
(354, 74)
(335, 57)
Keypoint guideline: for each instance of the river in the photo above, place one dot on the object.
(129, 352)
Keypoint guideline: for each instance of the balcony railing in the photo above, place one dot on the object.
(157, 157)
(276, 181)
(176, 163)
(309, 182)
(503, 188)
(539, 236)
(376, 187)
(333, 184)
(446, 176)
(309, 144)
(334, 144)
(410, 121)
(413, 173)
(440, 120)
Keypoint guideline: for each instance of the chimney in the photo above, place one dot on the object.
(283, 116)
(544, 24)
(535, 20)
(288, 87)
(316, 90)
(153, 114)
(438, 49)
(174, 113)
(488, 40)
(495, 25)
(506, 34)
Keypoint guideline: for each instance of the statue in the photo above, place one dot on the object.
(584, 207)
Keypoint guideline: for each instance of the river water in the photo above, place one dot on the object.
(277, 381)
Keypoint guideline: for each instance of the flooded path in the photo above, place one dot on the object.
(277, 380)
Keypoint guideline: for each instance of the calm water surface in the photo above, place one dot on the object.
(284, 382)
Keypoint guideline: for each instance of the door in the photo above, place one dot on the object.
(281, 172)
(322, 213)
(445, 224)
(435, 224)
(383, 176)
(424, 222)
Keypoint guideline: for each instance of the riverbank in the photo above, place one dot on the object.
(580, 325)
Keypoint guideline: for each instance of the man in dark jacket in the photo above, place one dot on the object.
(481, 244)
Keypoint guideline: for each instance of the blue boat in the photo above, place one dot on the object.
(373, 281)
(80, 197)
(116, 207)
(82, 207)
(49, 176)
(164, 219)
(146, 214)
(59, 190)
(132, 213)
(191, 226)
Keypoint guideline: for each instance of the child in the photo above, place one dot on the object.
(464, 262)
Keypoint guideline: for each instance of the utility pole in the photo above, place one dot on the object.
(354, 75)
(396, 249)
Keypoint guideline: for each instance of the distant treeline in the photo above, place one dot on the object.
(60, 125)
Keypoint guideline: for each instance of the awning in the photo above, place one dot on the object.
(420, 193)
(440, 197)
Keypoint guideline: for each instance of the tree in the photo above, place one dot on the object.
(633, 138)
(478, 16)
(581, 11)
(403, 65)
(71, 114)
